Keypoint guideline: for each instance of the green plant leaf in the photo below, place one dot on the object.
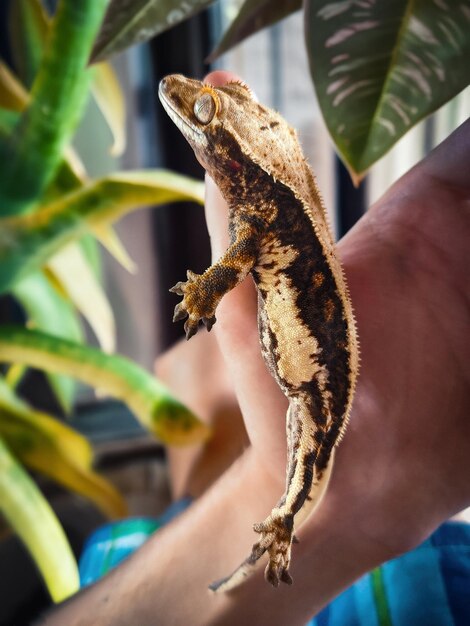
(380, 67)
(31, 517)
(60, 90)
(70, 173)
(8, 119)
(108, 94)
(128, 22)
(28, 27)
(28, 241)
(71, 269)
(92, 252)
(13, 96)
(150, 401)
(110, 240)
(14, 375)
(48, 311)
(254, 15)
(55, 450)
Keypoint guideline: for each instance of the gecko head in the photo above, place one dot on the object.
(224, 125)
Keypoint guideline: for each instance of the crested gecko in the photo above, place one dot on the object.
(279, 233)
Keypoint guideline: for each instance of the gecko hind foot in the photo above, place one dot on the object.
(276, 539)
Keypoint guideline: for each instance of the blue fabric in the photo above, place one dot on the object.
(109, 545)
(428, 586)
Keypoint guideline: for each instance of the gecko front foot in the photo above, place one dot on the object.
(276, 539)
(197, 304)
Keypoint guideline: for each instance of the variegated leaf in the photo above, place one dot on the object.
(31, 517)
(128, 22)
(13, 96)
(149, 399)
(379, 67)
(76, 277)
(108, 237)
(52, 448)
(29, 27)
(49, 311)
(253, 16)
(27, 242)
(32, 156)
(108, 94)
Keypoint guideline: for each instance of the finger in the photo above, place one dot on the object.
(219, 78)
(216, 218)
(260, 399)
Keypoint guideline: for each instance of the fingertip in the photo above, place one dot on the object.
(218, 78)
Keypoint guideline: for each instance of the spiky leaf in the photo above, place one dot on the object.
(109, 97)
(48, 310)
(27, 242)
(128, 22)
(47, 446)
(31, 157)
(76, 277)
(254, 15)
(29, 27)
(31, 517)
(150, 401)
(13, 95)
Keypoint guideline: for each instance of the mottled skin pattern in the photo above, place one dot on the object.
(279, 233)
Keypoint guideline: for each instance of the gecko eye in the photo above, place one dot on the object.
(205, 108)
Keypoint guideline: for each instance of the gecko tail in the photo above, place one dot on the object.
(251, 564)
(236, 578)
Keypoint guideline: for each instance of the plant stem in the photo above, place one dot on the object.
(31, 157)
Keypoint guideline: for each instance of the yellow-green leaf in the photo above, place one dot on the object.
(28, 241)
(110, 240)
(29, 27)
(13, 95)
(52, 448)
(149, 399)
(31, 517)
(78, 280)
(14, 375)
(107, 92)
(48, 310)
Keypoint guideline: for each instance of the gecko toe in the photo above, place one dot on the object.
(271, 575)
(190, 328)
(209, 322)
(286, 577)
(192, 276)
(178, 288)
(180, 313)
